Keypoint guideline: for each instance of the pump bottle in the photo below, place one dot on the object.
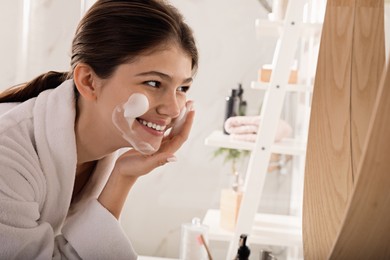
(242, 103)
(232, 106)
(243, 251)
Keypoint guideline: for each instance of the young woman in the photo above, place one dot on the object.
(62, 182)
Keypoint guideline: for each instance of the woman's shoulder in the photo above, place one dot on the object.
(19, 162)
(14, 114)
(5, 107)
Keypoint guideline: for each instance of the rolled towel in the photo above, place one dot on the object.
(244, 128)
(242, 124)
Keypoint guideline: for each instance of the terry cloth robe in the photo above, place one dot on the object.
(37, 174)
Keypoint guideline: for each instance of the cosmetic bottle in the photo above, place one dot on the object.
(241, 103)
(190, 246)
(232, 106)
(243, 251)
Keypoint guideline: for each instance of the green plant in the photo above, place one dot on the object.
(232, 155)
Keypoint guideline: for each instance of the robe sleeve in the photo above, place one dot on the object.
(90, 233)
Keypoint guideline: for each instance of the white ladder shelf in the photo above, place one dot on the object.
(266, 228)
(270, 114)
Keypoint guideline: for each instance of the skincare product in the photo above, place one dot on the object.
(242, 103)
(266, 71)
(191, 247)
(229, 206)
(243, 251)
(232, 106)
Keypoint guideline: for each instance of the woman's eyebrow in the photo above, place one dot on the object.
(188, 80)
(162, 75)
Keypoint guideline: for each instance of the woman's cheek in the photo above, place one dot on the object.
(181, 100)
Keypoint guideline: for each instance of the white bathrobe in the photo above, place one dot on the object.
(37, 174)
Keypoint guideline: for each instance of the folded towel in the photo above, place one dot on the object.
(244, 128)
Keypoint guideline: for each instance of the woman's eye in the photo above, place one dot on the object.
(153, 83)
(183, 89)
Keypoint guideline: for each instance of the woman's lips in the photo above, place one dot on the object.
(152, 128)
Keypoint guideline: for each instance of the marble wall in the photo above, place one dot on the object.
(36, 37)
(10, 43)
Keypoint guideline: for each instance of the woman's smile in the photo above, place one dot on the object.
(157, 129)
(163, 77)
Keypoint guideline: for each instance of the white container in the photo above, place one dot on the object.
(191, 247)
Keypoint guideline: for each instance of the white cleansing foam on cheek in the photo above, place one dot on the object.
(124, 117)
(136, 106)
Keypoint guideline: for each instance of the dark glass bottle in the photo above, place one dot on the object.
(232, 106)
(243, 251)
(241, 103)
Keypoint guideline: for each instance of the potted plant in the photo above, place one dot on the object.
(230, 199)
(233, 156)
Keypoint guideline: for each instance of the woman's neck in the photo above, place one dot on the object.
(91, 141)
(83, 173)
(90, 147)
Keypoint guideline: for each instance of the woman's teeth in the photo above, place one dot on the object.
(152, 125)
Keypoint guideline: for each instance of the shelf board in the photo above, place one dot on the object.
(290, 87)
(267, 28)
(285, 146)
(268, 229)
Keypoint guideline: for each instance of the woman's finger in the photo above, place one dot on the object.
(132, 163)
(173, 143)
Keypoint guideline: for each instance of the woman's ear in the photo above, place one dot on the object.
(86, 81)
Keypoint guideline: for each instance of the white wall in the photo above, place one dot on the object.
(46, 46)
(10, 28)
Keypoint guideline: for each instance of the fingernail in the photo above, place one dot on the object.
(172, 159)
(190, 106)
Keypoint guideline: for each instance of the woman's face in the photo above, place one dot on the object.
(163, 76)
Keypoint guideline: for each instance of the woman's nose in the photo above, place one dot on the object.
(169, 105)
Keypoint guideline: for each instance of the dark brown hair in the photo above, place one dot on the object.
(111, 33)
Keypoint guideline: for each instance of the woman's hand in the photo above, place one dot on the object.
(133, 164)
